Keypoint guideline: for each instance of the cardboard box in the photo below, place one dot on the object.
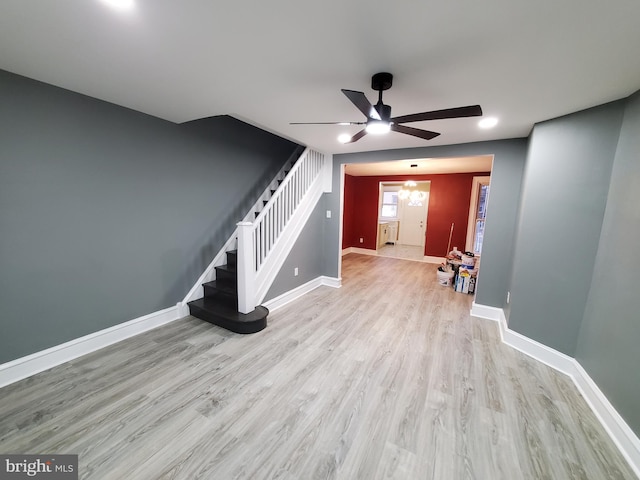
(462, 281)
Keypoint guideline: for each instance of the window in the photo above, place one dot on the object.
(389, 205)
(477, 214)
(481, 214)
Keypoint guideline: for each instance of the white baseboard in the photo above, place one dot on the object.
(368, 251)
(361, 251)
(24, 367)
(430, 259)
(547, 355)
(484, 311)
(182, 309)
(335, 282)
(621, 434)
(291, 295)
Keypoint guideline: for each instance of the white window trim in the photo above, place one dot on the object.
(473, 210)
(389, 188)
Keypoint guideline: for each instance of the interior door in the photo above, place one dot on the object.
(413, 222)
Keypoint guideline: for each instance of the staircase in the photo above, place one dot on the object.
(263, 239)
(220, 302)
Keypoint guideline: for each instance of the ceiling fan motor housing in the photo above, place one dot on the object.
(381, 81)
(384, 111)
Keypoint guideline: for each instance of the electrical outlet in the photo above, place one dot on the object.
(295, 272)
(328, 213)
(361, 240)
(508, 297)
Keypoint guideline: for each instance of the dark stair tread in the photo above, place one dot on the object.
(228, 317)
(232, 269)
(228, 288)
(264, 202)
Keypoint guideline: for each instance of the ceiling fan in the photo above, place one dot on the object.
(379, 118)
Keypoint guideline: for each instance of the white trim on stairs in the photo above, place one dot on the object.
(625, 439)
(197, 291)
(298, 220)
(24, 367)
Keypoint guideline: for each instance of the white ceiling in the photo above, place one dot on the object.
(423, 166)
(271, 63)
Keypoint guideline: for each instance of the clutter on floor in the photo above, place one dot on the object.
(460, 271)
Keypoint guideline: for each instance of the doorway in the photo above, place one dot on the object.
(413, 219)
(450, 182)
(402, 221)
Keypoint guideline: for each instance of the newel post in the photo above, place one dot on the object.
(246, 270)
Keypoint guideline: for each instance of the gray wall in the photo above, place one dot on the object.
(506, 176)
(108, 214)
(500, 226)
(306, 255)
(564, 195)
(608, 341)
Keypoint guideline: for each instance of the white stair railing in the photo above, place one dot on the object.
(197, 290)
(261, 244)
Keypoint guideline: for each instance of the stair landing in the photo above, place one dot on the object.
(227, 316)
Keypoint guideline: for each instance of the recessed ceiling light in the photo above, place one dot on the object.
(344, 137)
(119, 4)
(488, 122)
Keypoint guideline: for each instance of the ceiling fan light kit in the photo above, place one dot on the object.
(379, 120)
(378, 127)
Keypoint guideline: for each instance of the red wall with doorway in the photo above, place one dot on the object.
(448, 203)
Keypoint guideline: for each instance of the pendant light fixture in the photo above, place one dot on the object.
(410, 191)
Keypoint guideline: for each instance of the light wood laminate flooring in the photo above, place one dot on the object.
(406, 252)
(387, 377)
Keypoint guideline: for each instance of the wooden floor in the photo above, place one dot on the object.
(386, 377)
(407, 252)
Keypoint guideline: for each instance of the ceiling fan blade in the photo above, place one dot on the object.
(357, 136)
(416, 132)
(459, 112)
(327, 123)
(362, 104)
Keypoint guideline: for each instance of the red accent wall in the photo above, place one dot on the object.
(348, 237)
(448, 203)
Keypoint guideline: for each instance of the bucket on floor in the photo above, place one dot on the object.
(468, 260)
(445, 278)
